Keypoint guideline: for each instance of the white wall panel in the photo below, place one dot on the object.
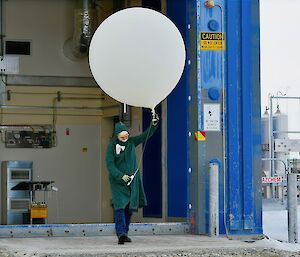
(47, 25)
(76, 173)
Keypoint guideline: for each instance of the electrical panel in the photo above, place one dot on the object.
(28, 139)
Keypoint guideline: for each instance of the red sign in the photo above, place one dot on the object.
(265, 180)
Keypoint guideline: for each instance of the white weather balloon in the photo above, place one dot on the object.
(137, 56)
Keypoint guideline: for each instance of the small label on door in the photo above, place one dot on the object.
(212, 117)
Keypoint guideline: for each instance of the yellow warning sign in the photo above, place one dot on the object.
(212, 41)
(200, 135)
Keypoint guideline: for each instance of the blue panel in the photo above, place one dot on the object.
(211, 61)
(243, 199)
(152, 164)
(243, 117)
(211, 76)
(256, 114)
(247, 98)
(199, 59)
(177, 152)
(192, 82)
(233, 115)
(152, 169)
(251, 118)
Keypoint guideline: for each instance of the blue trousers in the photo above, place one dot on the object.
(122, 221)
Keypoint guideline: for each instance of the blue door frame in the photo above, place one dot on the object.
(234, 72)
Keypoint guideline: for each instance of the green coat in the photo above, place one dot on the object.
(126, 163)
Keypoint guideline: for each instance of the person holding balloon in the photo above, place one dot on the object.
(124, 175)
(137, 57)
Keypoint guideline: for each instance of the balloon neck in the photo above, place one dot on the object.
(153, 112)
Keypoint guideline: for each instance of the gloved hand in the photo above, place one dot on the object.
(155, 119)
(126, 178)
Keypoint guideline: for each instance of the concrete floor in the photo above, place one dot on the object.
(150, 246)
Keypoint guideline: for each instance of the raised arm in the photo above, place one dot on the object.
(145, 135)
(110, 164)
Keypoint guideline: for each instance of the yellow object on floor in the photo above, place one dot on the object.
(39, 211)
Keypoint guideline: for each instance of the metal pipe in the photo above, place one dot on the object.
(58, 114)
(164, 159)
(286, 97)
(287, 132)
(7, 126)
(101, 96)
(86, 4)
(85, 23)
(81, 98)
(271, 148)
(164, 6)
(276, 159)
(28, 107)
(213, 198)
(50, 81)
(292, 208)
(54, 119)
(1, 30)
(54, 107)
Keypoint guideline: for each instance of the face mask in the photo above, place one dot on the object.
(123, 136)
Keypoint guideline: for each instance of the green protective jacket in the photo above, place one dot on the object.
(126, 163)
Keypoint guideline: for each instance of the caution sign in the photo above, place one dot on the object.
(212, 41)
(200, 136)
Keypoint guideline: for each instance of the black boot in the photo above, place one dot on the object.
(127, 239)
(122, 239)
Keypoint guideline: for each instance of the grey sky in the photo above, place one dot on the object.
(280, 54)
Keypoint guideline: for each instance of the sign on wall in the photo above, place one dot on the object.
(212, 117)
(267, 180)
(212, 41)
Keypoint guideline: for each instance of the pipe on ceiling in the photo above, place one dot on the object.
(85, 23)
(1, 29)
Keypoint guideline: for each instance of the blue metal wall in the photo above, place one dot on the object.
(237, 70)
(243, 117)
(211, 70)
(152, 169)
(177, 149)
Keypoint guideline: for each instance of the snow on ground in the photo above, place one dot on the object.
(275, 244)
(275, 224)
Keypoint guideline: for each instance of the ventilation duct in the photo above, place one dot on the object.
(85, 23)
(1, 29)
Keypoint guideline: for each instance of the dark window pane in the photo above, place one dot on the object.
(17, 47)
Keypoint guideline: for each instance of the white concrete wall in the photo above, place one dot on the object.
(76, 173)
(47, 25)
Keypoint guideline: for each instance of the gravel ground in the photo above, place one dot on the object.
(192, 253)
(145, 246)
